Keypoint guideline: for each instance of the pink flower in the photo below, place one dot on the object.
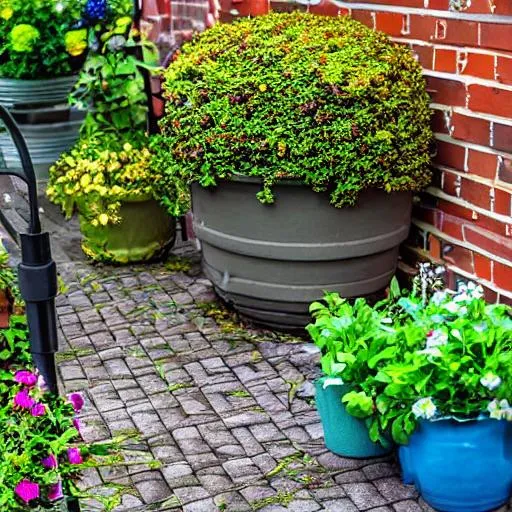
(27, 490)
(22, 399)
(38, 410)
(77, 424)
(74, 456)
(77, 400)
(26, 378)
(55, 491)
(50, 462)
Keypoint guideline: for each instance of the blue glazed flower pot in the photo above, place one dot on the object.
(460, 466)
(344, 434)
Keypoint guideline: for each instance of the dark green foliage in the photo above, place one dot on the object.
(321, 99)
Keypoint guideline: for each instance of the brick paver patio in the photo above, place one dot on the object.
(227, 411)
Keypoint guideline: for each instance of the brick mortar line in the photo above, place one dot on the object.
(444, 137)
(470, 206)
(453, 46)
(455, 15)
(468, 79)
(425, 226)
(502, 186)
(471, 113)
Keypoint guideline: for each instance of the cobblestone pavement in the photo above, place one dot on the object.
(227, 411)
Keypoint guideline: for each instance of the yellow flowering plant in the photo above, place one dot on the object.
(98, 174)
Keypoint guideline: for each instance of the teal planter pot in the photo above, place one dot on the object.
(460, 466)
(344, 434)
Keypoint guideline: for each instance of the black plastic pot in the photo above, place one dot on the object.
(271, 261)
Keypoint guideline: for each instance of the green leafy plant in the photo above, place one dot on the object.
(323, 100)
(111, 88)
(98, 174)
(41, 38)
(424, 356)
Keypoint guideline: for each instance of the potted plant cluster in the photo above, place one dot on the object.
(439, 385)
(108, 176)
(41, 449)
(302, 138)
(43, 45)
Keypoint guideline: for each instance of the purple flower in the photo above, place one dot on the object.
(26, 378)
(50, 462)
(55, 491)
(74, 456)
(22, 399)
(77, 400)
(27, 490)
(38, 410)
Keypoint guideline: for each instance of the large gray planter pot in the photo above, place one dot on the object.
(41, 110)
(271, 261)
(45, 142)
(52, 91)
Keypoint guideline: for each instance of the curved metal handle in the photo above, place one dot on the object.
(26, 173)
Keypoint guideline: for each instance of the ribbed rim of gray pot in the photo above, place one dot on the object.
(51, 91)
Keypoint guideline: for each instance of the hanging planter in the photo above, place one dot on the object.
(460, 466)
(344, 435)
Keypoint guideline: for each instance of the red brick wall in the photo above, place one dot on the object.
(465, 48)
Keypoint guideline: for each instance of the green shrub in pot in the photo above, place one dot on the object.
(323, 100)
(105, 178)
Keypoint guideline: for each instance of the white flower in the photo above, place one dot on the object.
(332, 381)
(452, 307)
(475, 291)
(59, 7)
(436, 338)
(468, 292)
(500, 410)
(490, 381)
(424, 408)
(439, 297)
(434, 351)
(480, 327)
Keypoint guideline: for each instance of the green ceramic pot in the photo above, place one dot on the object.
(344, 435)
(146, 233)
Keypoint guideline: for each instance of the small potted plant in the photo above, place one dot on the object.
(315, 131)
(445, 395)
(112, 185)
(353, 342)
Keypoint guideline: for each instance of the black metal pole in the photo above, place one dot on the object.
(37, 272)
(137, 16)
